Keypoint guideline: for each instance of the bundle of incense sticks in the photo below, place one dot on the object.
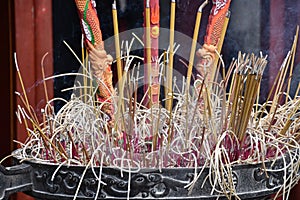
(245, 87)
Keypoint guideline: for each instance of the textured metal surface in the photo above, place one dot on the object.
(15, 179)
(49, 181)
(250, 183)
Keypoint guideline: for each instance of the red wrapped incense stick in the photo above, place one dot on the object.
(100, 61)
(216, 21)
(90, 23)
(151, 24)
(215, 32)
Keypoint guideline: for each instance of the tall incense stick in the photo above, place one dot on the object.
(117, 44)
(171, 59)
(148, 50)
(118, 58)
(194, 43)
(294, 48)
(191, 59)
(151, 53)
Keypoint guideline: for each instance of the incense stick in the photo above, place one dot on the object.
(148, 51)
(117, 43)
(169, 71)
(193, 46)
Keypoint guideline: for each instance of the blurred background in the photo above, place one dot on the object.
(32, 28)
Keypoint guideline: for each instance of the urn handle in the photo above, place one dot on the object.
(15, 179)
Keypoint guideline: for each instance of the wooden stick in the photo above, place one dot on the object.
(294, 49)
(21, 83)
(85, 69)
(192, 57)
(249, 105)
(169, 71)
(193, 47)
(117, 44)
(235, 100)
(281, 80)
(148, 50)
(198, 99)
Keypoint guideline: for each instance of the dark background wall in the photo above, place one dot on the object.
(6, 79)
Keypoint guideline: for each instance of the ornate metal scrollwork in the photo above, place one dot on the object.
(55, 182)
(144, 185)
(273, 178)
(52, 186)
(141, 185)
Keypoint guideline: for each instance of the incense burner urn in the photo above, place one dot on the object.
(52, 181)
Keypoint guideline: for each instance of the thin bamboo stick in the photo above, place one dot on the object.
(84, 70)
(171, 58)
(294, 49)
(193, 47)
(282, 76)
(191, 59)
(248, 108)
(21, 83)
(117, 44)
(235, 100)
(148, 51)
(198, 99)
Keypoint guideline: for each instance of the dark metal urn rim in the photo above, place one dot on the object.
(47, 181)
